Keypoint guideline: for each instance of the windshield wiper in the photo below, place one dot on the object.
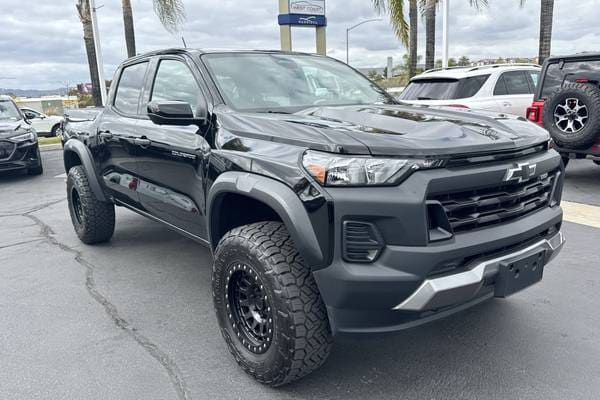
(425, 98)
(276, 112)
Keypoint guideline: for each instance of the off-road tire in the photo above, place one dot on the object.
(93, 220)
(301, 339)
(586, 94)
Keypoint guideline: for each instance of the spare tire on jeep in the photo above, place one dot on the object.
(572, 115)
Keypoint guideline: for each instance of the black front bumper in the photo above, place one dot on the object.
(23, 155)
(372, 297)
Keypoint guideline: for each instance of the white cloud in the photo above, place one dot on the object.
(41, 44)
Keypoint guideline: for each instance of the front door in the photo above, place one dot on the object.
(118, 138)
(171, 162)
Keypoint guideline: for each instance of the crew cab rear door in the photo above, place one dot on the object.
(172, 159)
(117, 136)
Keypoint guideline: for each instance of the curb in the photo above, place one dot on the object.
(51, 147)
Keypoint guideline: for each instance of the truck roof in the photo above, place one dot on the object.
(583, 55)
(181, 50)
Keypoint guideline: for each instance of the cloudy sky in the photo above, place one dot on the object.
(41, 44)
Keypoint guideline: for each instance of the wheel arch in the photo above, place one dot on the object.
(76, 153)
(267, 198)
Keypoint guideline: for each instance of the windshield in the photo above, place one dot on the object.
(289, 82)
(8, 110)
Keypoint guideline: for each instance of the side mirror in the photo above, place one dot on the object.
(173, 113)
(29, 115)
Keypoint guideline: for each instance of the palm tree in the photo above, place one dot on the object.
(171, 14)
(546, 15)
(85, 16)
(129, 29)
(413, 16)
(405, 31)
(430, 10)
(395, 8)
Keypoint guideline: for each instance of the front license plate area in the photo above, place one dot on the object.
(517, 274)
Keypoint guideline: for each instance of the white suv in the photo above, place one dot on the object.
(42, 123)
(503, 88)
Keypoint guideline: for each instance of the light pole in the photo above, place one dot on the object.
(348, 36)
(93, 9)
(445, 34)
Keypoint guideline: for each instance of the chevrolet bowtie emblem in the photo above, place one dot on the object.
(522, 172)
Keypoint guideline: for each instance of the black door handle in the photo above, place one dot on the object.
(143, 142)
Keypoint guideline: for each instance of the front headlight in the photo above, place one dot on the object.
(339, 170)
(21, 137)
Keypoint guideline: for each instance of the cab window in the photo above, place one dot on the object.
(175, 82)
(127, 97)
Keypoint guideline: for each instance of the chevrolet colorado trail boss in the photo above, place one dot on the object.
(330, 208)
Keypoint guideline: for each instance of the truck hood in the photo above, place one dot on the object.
(390, 130)
(9, 128)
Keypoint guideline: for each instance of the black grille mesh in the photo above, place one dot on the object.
(493, 205)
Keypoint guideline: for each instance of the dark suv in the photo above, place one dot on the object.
(18, 140)
(329, 207)
(567, 104)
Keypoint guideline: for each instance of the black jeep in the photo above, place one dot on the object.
(567, 104)
(329, 207)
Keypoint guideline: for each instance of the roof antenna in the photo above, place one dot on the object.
(183, 40)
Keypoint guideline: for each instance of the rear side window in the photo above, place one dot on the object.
(430, 89)
(175, 81)
(513, 82)
(470, 86)
(570, 72)
(130, 87)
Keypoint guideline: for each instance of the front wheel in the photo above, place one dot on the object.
(268, 305)
(93, 220)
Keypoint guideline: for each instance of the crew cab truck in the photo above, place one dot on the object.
(567, 104)
(330, 208)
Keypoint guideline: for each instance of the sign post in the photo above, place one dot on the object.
(303, 13)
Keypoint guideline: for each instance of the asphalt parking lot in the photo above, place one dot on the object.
(133, 319)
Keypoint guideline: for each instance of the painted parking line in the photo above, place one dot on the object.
(61, 176)
(583, 214)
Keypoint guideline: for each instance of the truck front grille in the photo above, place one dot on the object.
(474, 209)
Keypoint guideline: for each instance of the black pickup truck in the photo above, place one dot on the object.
(330, 208)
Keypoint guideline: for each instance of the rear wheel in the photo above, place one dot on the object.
(268, 305)
(572, 115)
(55, 130)
(93, 220)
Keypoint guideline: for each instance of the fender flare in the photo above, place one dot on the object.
(277, 196)
(84, 154)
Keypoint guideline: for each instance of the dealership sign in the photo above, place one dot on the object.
(304, 13)
(307, 7)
